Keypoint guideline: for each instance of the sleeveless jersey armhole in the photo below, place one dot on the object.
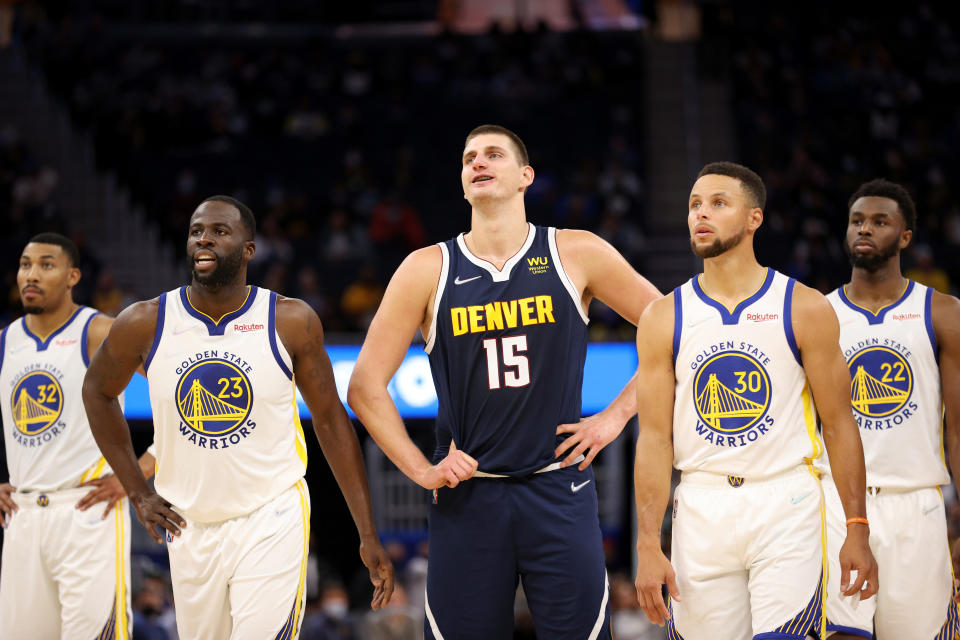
(441, 286)
(158, 333)
(280, 354)
(84, 346)
(788, 320)
(927, 320)
(562, 274)
(677, 323)
(3, 344)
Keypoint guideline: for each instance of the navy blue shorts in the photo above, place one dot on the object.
(488, 533)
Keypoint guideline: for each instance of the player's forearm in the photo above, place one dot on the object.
(624, 406)
(340, 446)
(651, 477)
(846, 465)
(112, 435)
(375, 409)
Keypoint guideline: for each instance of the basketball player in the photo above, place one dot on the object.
(222, 359)
(901, 342)
(65, 570)
(503, 309)
(729, 361)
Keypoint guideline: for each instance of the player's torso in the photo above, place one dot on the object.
(227, 432)
(742, 405)
(507, 349)
(895, 388)
(48, 440)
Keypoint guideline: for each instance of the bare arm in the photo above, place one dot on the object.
(110, 371)
(597, 270)
(817, 333)
(654, 459)
(946, 328)
(406, 305)
(302, 335)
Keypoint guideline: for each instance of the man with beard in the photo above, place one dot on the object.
(901, 341)
(222, 360)
(65, 572)
(728, 362)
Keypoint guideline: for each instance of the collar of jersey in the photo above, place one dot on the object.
(875, 318)
(43, 343)
(217, 327)
(732, 317)
(499, 275)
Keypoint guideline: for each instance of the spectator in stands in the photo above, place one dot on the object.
(149, 602)
(926, 272)
(361, 298)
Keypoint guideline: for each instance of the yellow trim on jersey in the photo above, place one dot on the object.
(877, 312)
(94, 472)
(224, 315)
(301, 439)
(810, 419)
(305, 511)
(731, 309)
(121, 586)
(825, 574)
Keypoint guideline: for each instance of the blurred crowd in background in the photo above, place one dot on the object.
(348, 152)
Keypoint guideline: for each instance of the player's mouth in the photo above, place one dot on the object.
(204, 260)
(863, 244)
(481, 178)
(702, 232)
(31, 292)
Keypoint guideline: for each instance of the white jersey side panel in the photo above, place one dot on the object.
(48, 441)
(895, 388)
(742, 404)
(227, 432)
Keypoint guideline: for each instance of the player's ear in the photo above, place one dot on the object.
(527, 177)
(905, 239)
(755, 218)
(249, 249)
(73, 276)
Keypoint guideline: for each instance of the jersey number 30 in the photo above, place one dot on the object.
(513, 346)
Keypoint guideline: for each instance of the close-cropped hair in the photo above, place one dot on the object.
(246, 215)
(882, 188)
(62, 241)
(522, 156)
(752, 183)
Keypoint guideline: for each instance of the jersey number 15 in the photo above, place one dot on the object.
(513, 346)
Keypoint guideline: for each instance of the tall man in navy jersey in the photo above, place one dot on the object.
(503, 311)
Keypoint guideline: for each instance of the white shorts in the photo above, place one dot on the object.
(243, 578)
(908, 537)
(748, 556)
(66, 573)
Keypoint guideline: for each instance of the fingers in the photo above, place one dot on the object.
(91, 498)
(844, 578)
(573, 455)
(569, 428)
(588, 459)
(111, 501)
(652, 603)
(387, 575)
(7, 506)
(857, 585)
(870, 585)
(160, 515)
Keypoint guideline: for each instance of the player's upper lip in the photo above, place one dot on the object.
(863, 242)
(203, 254)
(30, 289)
(477, 177)
(700, 228)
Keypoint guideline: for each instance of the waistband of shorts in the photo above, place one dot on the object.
(882, 490)
(553, 466)
(710, 479)
(43, 499)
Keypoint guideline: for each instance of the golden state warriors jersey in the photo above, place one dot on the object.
(226, 427)
(742, 405)
(48, 440)
(895, 388)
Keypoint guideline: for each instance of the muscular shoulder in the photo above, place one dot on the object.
(575, 245)
(134, 328)
(657, 320)
(421, 265)
(809, 303)
(297, 323)
(813, 317)
(945, 312)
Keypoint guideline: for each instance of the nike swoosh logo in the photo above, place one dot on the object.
(180, 330)
(576, 487)
(800, 499)
(930, 510)
(280, 512)
(457, 280)
(18, 349)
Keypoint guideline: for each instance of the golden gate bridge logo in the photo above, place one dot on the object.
(881, 381)
(731, 392)
(37, 402)
(214, 397)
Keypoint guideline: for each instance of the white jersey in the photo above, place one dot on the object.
(48, 440)
(895, 388)
(742, 405)
(226, 426)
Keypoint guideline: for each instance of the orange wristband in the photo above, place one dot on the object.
(851, 521)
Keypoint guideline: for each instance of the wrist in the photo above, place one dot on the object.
(646, 542)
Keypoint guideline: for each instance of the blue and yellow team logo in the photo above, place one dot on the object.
(731, 392)
(37, 402)
(214, 397)
(881, 381)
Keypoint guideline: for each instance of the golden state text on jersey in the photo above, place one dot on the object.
(214, 398)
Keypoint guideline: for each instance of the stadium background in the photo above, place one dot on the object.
(341, 123)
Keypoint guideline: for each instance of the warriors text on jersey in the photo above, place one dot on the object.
(227, 430)
(895, 388)
(48, 440)
(507, 348)
(743, 407)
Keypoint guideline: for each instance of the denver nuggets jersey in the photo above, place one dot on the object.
(743, 407)
(895, 388)
(48, 440)
(226, 427)
(506, 349)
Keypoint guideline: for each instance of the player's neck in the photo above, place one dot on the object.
(217, 302)
(732, 276)
(497, 232)
(43, 324)
(876, 289)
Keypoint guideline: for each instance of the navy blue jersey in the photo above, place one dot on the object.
(506, 349)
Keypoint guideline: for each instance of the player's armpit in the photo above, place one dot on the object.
(123, 350)
(599, 271)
